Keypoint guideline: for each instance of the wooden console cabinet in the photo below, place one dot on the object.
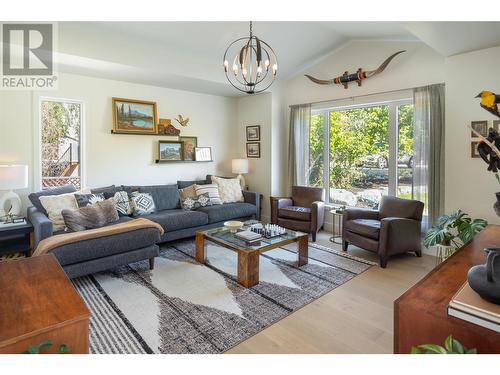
(421, 314)
(37, 303)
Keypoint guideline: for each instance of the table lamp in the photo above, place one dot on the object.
(240, 166)
(12, 177)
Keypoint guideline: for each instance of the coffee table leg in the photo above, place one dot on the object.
(303, 247)
(200, 254)
(248, 268)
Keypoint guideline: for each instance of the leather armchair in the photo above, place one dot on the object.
(394, 229)
(304, 211)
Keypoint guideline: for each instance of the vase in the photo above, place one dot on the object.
(485, 279)
(496, 206)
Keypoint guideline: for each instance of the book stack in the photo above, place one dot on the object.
(248, 236)
(468, 305)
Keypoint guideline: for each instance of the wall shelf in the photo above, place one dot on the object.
(157, 135)
(182, 161)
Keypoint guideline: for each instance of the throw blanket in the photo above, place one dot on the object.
(59, 240)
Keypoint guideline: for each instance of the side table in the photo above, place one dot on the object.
(16, 239)
(337, 216)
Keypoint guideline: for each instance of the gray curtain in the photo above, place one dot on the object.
(298, 150)
(428, 143)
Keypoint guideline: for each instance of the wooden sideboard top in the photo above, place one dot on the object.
(428, 299)
(36, 296)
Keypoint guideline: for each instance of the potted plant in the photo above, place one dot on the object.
(452, 231)
(451, 346)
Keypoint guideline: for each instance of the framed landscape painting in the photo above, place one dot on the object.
(170, 150)
(253, 133)
(253, 150)
(134, 117)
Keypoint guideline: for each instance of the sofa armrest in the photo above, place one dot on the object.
(317, 215)
(252, 198)
(399, 235)
(42, 226)
(276, 204)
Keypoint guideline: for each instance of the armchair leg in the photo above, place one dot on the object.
(151, 263)
(345, 244)
(313, 234)
(383, 262)
(418, 253)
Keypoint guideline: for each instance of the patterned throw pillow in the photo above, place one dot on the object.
(83, 200)
(191, 204)
(212, 190)
(121, 201)
(142, 203)
(229, 189)
(54, 204)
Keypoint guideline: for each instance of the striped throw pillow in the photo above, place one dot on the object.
(212, 190)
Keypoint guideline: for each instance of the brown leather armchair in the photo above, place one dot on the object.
(304, 211)
(395, 228)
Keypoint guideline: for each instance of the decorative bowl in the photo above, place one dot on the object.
(233, 226)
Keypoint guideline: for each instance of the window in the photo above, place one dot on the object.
(360, 153)
(61, 125)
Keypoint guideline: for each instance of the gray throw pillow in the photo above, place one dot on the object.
(83, 200)
(90, 217)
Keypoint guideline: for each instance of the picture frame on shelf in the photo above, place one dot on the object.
(253, 150)
(170, 150)
(473, 149)
(253, 133)
(496, 125)
(190, 144)
(481, 127)
(203, 153)
(132, 116)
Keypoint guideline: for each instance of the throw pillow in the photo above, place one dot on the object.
(187, 192)
(142, 203)
(91, 216)
(190, 203)
(121, 201)
(229, 189)
(211, 189)
(54, 204)
(83, 200)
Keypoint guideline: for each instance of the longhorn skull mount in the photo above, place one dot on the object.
(358, 77)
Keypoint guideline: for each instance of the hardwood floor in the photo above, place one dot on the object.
(356, 317)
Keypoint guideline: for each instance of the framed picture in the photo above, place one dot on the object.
(496, 125)
(190, 143)
(203, 153)
(473, 150)
(253, 133)
(481, 127)
(134, 117)
(170, 150)
(253, 150)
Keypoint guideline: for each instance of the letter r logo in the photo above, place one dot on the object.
(27, 49)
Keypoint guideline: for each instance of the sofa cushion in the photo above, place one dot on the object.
(142, 203)
(229, 189)
(365, 227)
(295, 213)
(228, 211)
(35, 197)
(55, 204)
(184, 184)
(90, 216)
(110, 190)
(166, 197)
(177, 219)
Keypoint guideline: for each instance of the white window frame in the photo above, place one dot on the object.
(38, 138)
(393, 104)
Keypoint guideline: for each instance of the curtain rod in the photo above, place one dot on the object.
(360, 96)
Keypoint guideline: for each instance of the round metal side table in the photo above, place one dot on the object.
(337, 215)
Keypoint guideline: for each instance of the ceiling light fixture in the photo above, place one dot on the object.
(254, 65)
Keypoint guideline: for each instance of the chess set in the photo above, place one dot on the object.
(268, 231)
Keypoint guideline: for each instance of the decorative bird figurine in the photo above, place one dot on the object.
(490, 101)
(182, 121)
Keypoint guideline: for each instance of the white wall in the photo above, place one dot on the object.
(469, 186)
(122, 159)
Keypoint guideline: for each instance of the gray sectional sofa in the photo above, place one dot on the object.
(95, 255)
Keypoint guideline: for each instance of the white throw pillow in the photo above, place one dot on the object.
(211, 189)
(54, 204)
(229, 189)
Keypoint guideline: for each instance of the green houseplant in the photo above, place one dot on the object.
(451, 346)
(35, 349)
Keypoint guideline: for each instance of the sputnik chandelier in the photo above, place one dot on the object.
(252, 66)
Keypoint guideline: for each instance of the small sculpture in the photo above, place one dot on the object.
(490, 101)
(165, 127)
(182, 121)
(355, 77)
(485, 279)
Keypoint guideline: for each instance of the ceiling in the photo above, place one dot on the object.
(188, 55)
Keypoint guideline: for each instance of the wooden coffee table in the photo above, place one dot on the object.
(248, 255)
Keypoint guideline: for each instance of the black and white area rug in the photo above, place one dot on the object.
(186, 307)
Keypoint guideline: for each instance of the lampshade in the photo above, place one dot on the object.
(13, 177)
(240, 166)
